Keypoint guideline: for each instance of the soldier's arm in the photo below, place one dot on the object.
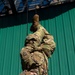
(48, 45)
(45, 31)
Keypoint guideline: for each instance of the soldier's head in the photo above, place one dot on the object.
(35, 23)
(35, 20)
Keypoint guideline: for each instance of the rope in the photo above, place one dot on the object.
(27, 17)
(35, 8)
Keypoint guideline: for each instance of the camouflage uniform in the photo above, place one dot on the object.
(32, 56)
(31, 43)
(38, 47)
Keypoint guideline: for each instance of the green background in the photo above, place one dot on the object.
(58, 20)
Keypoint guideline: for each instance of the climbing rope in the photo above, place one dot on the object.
(36, 7)
(27, 17)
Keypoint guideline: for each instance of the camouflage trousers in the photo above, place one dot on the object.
(40, 67)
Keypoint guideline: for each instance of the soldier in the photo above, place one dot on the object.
(33, 41)
(38, 46)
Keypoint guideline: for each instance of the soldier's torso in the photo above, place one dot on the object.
(37, 36)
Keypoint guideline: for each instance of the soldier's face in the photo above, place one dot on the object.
(35, 23)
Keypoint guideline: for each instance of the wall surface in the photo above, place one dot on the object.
(58, 20)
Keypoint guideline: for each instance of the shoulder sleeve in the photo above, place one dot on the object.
(45, 31)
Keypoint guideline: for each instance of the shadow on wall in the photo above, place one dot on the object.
(45, 13)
